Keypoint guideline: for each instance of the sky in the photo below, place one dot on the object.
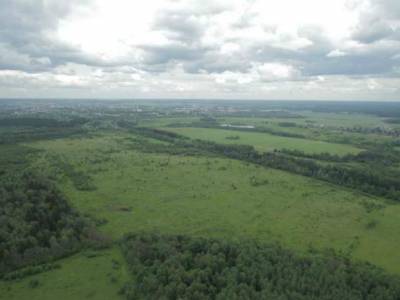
(208, 49)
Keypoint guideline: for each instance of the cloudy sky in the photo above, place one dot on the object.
(228, 49)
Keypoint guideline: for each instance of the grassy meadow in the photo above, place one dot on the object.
(217, 197)
(88, 275)
(265, 142)
(320, 119)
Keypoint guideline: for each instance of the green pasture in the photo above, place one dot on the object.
(264, 141)
(323, 131)
(225, 198)
(345, 119)
(199, 196)
(318, 119)
(87, 275)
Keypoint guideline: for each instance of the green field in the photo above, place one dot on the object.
(322, 126)
(317, 118)
(80, 277)
(264, 141)
(214, 197)
(344, 119)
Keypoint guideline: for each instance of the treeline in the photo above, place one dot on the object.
(381, 109)
(356, 129)
(260, 112)
(371, 181)
(182, 267)
(378, 130)
(23, 129)
(27, 134)
(393, 120)
(287, 124)
(82, 181)
(158, 134)
(372, 130)
(40, 122)
(29, 271)
(36, 222)
(385, 157)
(14, 158)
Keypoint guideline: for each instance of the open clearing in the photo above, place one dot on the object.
(82, 276)
(264, 141)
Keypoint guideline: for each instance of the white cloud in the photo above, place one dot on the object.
(229, 48)
(229, 77)
(336, 53)
(212, 48)
(277, 71)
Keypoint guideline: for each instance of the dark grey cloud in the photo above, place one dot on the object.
(214, 62)
(349, 65)
(158, 58)
(373, 30)
(389, 8)
(380, 22)
(184, 29)
(367, 60)
(180, 26)
(376, 31)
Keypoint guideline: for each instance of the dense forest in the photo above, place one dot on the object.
(181, 267)
(379, 156)
(36, 222)
(22, 129)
